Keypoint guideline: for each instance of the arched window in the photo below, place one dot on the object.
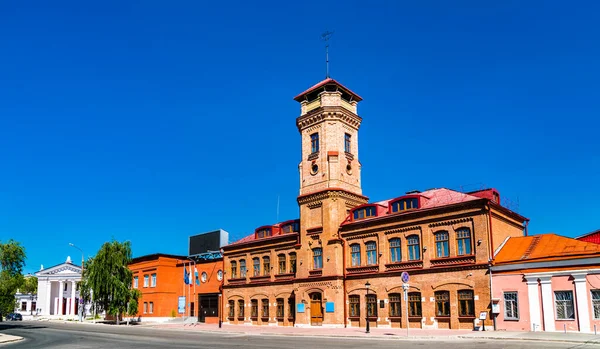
(395, 252)
(256, 265)
(355, 253)
(266, 265)
(463, 241)
(405, 204)
(414, 247)
(371, 253)
(233, 269)
(441, 244)
(364, 212)
(281, 260)
(317, 258)
(242, 268)
(395, 304)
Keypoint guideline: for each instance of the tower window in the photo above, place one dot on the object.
(365, 212)
(314, 143)
(347, 138)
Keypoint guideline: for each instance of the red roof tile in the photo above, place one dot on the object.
(323, 83)
(544, 247)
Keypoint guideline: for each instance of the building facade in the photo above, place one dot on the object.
(547, 283)
(316, 271)
(161, 280)
(58, 291)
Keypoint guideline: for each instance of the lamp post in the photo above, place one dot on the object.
(367, 285)
(80, 305)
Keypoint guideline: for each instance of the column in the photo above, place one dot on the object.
(547, 303)
(583, 306)
(534, 302)
(73, 287)
(48, 306)
(61, 286)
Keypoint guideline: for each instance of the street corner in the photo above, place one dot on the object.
(6, 338)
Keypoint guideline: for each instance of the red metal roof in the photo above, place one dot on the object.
(544, 247)
(252, 236)
(591, 237)
(300, 97)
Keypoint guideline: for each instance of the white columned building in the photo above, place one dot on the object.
(58, 290)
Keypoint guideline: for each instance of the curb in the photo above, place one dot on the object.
(595, 342)
(10, 339)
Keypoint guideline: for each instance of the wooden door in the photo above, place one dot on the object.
(316, 310)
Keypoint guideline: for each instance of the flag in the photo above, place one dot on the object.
(197, 279)
(190, 276)
(186, 277)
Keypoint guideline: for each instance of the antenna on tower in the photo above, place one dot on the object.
(325, 36)
(277, 221)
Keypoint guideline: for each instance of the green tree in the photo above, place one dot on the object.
(108, 280)
(12, 260)
(30, 285)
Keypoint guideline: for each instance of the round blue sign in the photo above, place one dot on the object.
(405, 277)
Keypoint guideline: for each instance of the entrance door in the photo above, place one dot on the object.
(316, 310)
(64, 307)
(209, 307)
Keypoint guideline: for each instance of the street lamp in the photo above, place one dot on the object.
(367, 285)
(80, 305)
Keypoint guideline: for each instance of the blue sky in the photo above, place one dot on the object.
(151, 121)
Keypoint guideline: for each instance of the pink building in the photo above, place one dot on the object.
(546, 283)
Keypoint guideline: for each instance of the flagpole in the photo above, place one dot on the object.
(183, 290)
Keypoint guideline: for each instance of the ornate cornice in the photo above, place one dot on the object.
(362, 236)
(321, 114)
(451, 222)
(402, 230)
(316, 199)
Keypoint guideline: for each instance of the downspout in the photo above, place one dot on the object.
(491, 260)
(344, 279)
(526, 225)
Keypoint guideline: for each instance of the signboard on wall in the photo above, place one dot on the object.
(300, 307)
(329, 307)
(181, 305)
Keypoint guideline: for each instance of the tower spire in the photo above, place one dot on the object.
(325, 36)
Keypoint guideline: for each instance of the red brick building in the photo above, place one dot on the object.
(160, 278)
(341, 262)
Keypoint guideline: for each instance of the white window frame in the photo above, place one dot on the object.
(135, 282)
(151, 307)
(153, 280)
(146, 280)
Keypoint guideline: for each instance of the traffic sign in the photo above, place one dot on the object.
(405, 277)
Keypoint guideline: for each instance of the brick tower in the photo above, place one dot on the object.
(329, 187)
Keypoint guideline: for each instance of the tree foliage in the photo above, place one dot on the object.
(30, 285)
(108, 280)
(12, 260)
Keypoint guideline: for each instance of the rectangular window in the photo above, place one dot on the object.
(265, 308)
(371, 253)
(153, 281)
(151, 311)
(266, 266)
(282, 269)
(135, 282)
(23, 306)
(405, 204)
(414, 248)
(564, 305)
(314, 143)
(511, 306)
(146, 280)
(371, 305)
(466, 303)
(463, 240)
(241, 308)
(442, 303)
(66, 285)
(33, 306)
(414, 304)
(355, 306)
(317, 258)
(347, 139)
(243, 268)
(292, 263)
(145, 307)
(365, 212)
(254, 311)
(395, 253)
(355, 254)
(263, 233)
(280, 308)
(231, 309)
(395, 305)
(256, 264)
(441, 244)
(596, 303)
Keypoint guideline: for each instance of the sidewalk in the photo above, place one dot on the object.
(384, 333)
(6, 338)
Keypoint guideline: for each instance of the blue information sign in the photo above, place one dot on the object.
(181, 305)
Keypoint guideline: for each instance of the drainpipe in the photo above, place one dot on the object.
(526, 225)
(344, 278)
(490, 265)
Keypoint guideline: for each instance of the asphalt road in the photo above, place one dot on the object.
(66, 336)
